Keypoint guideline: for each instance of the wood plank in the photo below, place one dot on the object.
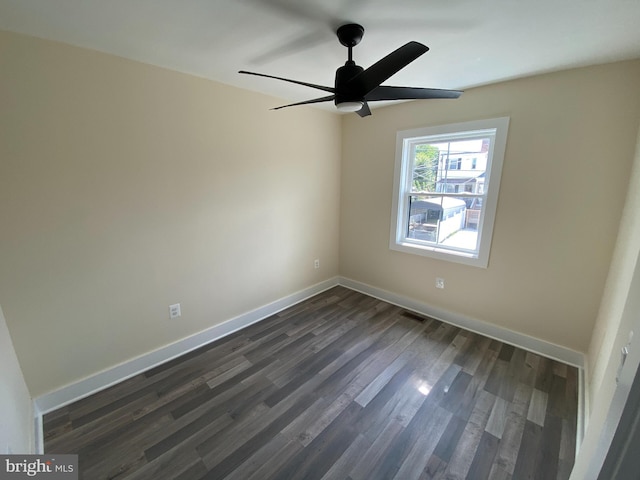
(435, 469)
(175, 462)
(450, 438)
(319, 421)
(524, 369)
(560, 369)
(206, 425)
(139, 436)
(345, 462)
(378, 383)
(528, 461)
(465, 450)
(266, 459)
(494, 380)
(538, 407)
(422, 446)
(480, 346)
(498, 418)
(514, 429)
(429, 419)
(505, 377)
(468, 399)
(485, 454)
(264, 430)
(196, 470)
(506, 352)
(454, 393)
(376, 414)
(225, 442)
(567, 452)
(548, 458)
(499, 473)
(557, 399)
(408, 402)
(376, 453)
(544, 374)
(314, 461)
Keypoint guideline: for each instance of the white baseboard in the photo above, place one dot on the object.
(38, 431)
(583, 408)
(111, 376)
(526, 342)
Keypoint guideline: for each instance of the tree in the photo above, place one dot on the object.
(425, 167)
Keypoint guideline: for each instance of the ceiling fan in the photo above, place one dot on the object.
(355, 87)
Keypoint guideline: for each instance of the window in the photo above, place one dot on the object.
(446, 190)
(454, 163)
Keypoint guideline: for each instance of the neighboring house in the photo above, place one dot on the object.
(462, 170)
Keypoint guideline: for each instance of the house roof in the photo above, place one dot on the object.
(435, 203)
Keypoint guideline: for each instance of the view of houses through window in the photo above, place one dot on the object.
(446, 186)
(447, 192)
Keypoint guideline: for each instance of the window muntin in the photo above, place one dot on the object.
(446, 189)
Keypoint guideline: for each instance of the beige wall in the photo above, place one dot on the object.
(125, 188)
(569, 153)
(16, 413)
(610, 332)
(619, 314)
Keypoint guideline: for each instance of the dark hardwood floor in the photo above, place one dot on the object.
(341, 386)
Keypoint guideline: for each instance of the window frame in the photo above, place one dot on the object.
(497, 128)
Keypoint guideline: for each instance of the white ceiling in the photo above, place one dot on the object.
(472, 42)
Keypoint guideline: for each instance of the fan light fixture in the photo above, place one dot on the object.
(349, 106)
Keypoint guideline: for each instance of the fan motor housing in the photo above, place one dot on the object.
(351, 93)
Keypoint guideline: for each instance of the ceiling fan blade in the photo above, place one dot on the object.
(364, 111)
(409, 93)
(312, 85)
(306, 102)
(380, 71)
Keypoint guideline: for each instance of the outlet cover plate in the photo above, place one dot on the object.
(174, 310)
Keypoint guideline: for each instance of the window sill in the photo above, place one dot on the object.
(440, 253)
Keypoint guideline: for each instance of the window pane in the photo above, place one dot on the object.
(424, 218)
(456, 166)
(425, 168)
(466, 237)
(447, 221)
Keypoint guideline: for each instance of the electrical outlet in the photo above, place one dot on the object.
(439, 282)
(316, 263)
(174, 310)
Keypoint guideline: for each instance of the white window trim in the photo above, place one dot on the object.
(399, 211)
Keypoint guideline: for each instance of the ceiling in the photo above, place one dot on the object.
(472, 42)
